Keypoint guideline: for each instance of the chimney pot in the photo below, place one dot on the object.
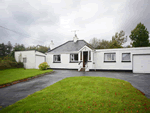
(51, 45)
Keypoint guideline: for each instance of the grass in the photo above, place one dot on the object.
(84, 95)
(10, 75)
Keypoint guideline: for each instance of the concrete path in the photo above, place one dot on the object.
(12, 94)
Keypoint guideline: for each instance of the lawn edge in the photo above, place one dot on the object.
(25, 79)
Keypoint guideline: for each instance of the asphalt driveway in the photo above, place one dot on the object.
(12, 94)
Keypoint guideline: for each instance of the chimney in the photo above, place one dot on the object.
(51, 45)
(75, 39)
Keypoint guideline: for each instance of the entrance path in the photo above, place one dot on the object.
(14, 93)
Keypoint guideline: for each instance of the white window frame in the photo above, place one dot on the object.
(24, 60)
(56, 56)
(72, 57)
(126, 60)
(111, 56)
(90, 53)
(81, 54)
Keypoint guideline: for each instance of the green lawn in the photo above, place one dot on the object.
(10, 75)
(84, 95)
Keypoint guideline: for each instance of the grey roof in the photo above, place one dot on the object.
(70, 46)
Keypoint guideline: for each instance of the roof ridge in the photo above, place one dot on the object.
(71, 41)
(59, 46)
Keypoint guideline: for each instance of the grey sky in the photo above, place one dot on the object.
(46, 20)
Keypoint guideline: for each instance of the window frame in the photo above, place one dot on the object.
(80, 55)
(126, 60)
(111, 57)
(90, 54)
(54, 59)
(74, 60)
(24, 59)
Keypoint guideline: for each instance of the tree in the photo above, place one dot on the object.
(94, 42)
(119, 38)
(104, 44)
(40, 48)
(31, 48)
(139, 36)
(17, 47)
(9, 47)
(115, 44)
(128, 46)
(3, 49)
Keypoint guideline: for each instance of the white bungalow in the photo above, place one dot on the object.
(78, 54)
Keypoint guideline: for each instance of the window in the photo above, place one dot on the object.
(24, 60)
(80, 55)
(89, 55)
(110, 57)
(57, 58)
(73, 57)
(125, 57)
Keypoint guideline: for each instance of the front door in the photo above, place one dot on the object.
(85, 58)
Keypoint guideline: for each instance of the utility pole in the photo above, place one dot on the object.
(75, 32)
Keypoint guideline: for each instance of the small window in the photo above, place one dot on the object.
(126, 57)
(110, 57)
(89, 55)
(57, 58)
(80, 55)
(73, 57)
(24, 60)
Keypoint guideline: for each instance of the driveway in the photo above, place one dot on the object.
(12, 94)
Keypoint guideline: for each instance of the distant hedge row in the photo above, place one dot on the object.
(9, 62)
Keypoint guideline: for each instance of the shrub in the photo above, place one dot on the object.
(10, 58)
(43, 66)
(5, 65)
(10, 62)
(20, 65)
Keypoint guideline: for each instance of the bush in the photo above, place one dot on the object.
(5, 65)
(10, 58)
(9, 62)
(43, 66)
(20, 65)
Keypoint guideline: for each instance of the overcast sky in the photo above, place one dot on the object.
(41, 21)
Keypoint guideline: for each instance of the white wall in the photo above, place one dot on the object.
(39, 53)
(65, 62)
(98, 58)
(118, 65)
(30, 55)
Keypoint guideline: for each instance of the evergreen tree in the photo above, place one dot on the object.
(139, 36)
(9, 47)
(3, 49)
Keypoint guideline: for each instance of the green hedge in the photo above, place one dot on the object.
(9, 62)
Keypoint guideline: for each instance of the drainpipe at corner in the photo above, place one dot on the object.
(93, 59)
